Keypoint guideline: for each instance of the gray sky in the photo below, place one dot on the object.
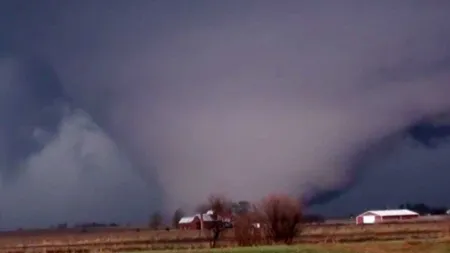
(161, 103)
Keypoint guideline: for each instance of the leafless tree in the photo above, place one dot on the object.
(155, 221)
(281, 216)
(247, 231)
(219, 205)
(177, 215)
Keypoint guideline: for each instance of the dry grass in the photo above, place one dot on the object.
(370, 247)
(396, 247)
(413, 235)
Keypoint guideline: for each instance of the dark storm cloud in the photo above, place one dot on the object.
(57, 165)
(429, 134)
(408, 173)
(244, 98)
(25, 105)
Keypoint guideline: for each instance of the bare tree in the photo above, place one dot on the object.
(244, 207)
(177, 215)
(281, 215)
(155, 221)
(219, 205)
(246, 229)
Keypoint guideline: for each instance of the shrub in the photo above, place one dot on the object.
(281, 216)
(246, 231)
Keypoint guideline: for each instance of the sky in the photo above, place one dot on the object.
(111, 110)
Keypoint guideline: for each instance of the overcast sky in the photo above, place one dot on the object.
(110, 110)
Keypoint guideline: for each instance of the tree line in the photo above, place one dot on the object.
(274, 219)
(424, 209)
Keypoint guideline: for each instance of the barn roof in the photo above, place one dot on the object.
(206, 217)
(392, 212)
(189, 219)
(186, 220)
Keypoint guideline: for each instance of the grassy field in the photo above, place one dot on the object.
(321, 238)
(368, 247)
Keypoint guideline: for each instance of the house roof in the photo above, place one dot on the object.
(393, 212)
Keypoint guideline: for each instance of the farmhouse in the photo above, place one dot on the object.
(383, 216)
(195, 222)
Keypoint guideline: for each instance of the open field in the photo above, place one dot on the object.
(413, 235)
(370, 247)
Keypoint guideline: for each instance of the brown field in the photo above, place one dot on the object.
(412, 235)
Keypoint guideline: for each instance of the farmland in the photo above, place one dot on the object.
(320, 238)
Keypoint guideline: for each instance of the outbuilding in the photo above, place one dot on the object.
(189, 223)
(383, 216)
(195, 222)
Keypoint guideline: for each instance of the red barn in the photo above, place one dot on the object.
(189, 223)
(384, 216)
(195, 222)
